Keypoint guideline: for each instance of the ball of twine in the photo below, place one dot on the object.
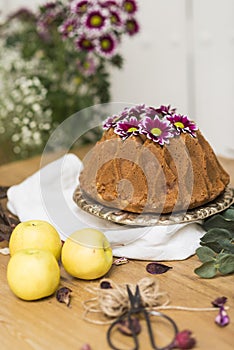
(114, 301)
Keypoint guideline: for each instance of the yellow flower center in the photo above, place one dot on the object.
(86, 43)
(105, 44)
(179, 125)
(132, 129)
(96, 21)
(70, 28)
(156, 131)
(128, 6)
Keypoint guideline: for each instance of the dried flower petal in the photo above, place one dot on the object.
(105, 285)
(183, 340)
(156, 268)
(120, 261)
(222, 319)
(63, 295)
(125, 328)
(86, 347)
(219, 302)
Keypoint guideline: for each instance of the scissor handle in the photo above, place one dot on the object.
(134, 336)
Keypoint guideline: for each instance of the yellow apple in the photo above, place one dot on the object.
(33, 274)
(87, 254)
(36, 234)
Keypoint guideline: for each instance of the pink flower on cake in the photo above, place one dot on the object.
(126, 128)
(182, 123)
(110, 122)
(157, 130)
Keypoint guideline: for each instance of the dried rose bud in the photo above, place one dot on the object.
(63, 295)
(183, 340)
(219, 301)
(222, 319)
(124, 326)
(105, 285)
(86, 347)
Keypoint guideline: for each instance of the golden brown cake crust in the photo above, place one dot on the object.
(139, 175)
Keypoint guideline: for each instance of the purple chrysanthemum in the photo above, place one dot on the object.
(109, 4)
(126, 128)
(182, 124)
(110, 122)
(132, 26)
(165, 110)
(68, 28)
(84, 43)
(157, 130)
(129, 6)
(137, 110)
(107, 45)
(79, 7)
(115, 18)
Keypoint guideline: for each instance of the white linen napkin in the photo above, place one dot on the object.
(47, 195)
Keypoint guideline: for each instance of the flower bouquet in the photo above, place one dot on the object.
(55, 62)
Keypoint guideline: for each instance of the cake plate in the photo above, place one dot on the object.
(224, 201)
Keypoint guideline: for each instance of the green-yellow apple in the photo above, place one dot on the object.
(87, 254)
(36, 234)
(33, 274)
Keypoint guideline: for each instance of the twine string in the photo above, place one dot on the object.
(113, 302)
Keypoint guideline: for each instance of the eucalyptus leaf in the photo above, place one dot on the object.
(229, 215)
(227, 246)
(216, 234)
(205, 254)
(218, 221)
(226, 264)
(215, 246)
(207, 270)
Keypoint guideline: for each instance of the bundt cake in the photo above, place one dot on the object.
(152, 160)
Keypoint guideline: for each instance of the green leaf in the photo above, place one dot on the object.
(229, 214)
(227, 246)
(215, 246)
(205, 254)
(215, 234)
(218, 221)
(207, 270)
(226, 264)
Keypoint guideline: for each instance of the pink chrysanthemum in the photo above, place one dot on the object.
(126, 128)
(110, 122)
(165, 110)
(129, 6)
(182, 123)
(107, 45)
(95, 21)
(85, 43)
(68, 28)
(87, 67)
(157, 130)
(79, 7)
(132, 26)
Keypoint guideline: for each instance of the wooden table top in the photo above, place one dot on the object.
(47, 324)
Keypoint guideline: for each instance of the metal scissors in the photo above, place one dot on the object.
(137, 308)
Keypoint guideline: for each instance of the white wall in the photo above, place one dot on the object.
(183, 56)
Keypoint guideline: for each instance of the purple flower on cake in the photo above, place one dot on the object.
(157, 130)
(126, 128)
(110, 122)
(137, 110)
(165, 110)
(132, 26)
(182, 123)
(130, 6)
(107, 45)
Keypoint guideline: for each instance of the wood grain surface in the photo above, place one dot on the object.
(47, 324)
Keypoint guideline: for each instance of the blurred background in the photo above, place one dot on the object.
(183, 55)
